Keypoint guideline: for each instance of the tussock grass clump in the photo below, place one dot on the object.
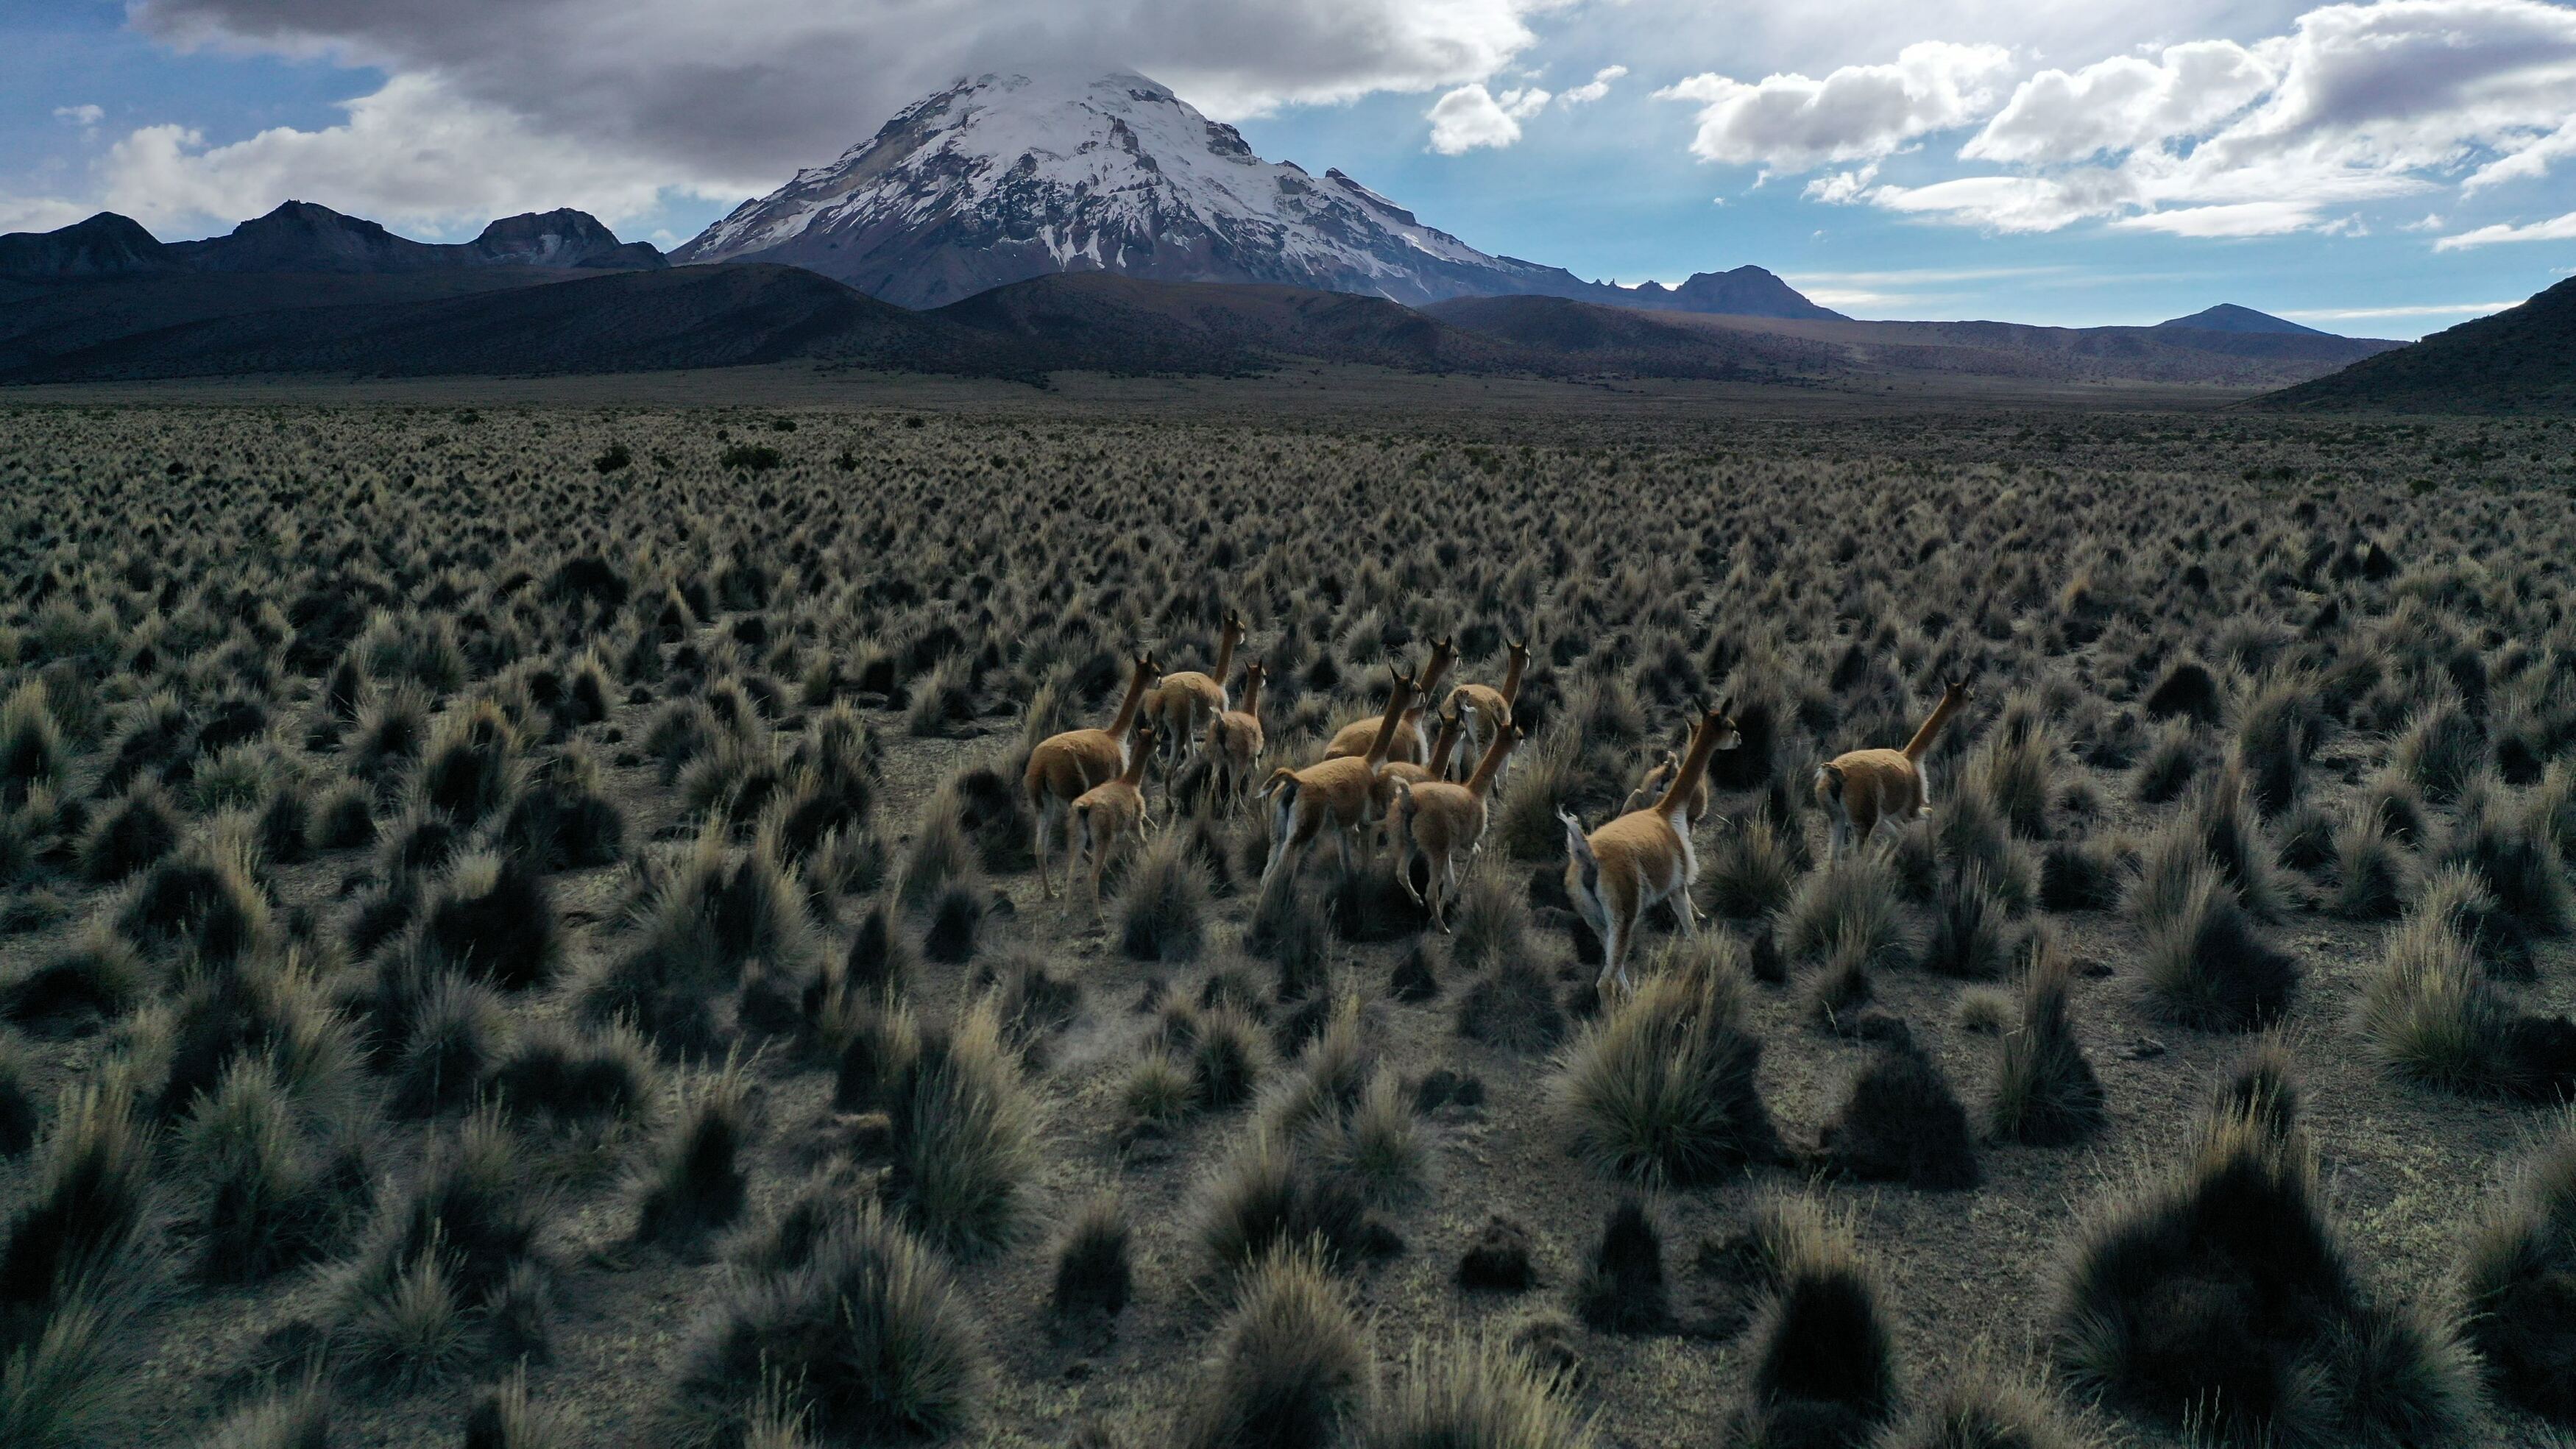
(1489, 925)
(1543, 776)
(2206, 963)
(965, 1129)
(707, 917)
(557, 1073)
(2045, 1090)
(1622, 1289)
(2217, 1294)
(134, 832)
(695, 1183)
(97, 979)
(506, 1416)
(77, 1224)
(443, 1262)
(2080, 876)
(19, 1120)
(450, 1031)
(61, 1380)
(1849, 907)
(1093, 1271)
(271, 1201)
(1163, 904)
(1661, 1089)
(1981, 1409)
(1292, 1365)
(866, 1339)
(2457, 896)
(492, 919)
(2232, 837)
(1969, 939)
(938, 854)
(2428, 1013)
(564, 820)
(33, 752)
(1900, 1122)
(1268, 1195)
(2017, 773)
(1512, 1006)
(1475, 1391)
(206, 900)
(1825, 1373)
(2441, 749)
(2166, 769)
(272, 1007)
(288, 1417)
(954, 919)
(2507, 845)
(2519, 1279)
(2371, 872)
(472, 762)
(1751, 872)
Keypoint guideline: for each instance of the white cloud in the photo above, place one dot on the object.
(86, 117)
(2357, 103)
(1472, 116)
(2346, 314)
(39, 213)
(410, 154)
(740, 94)
(2121, 103)
(1595, 89)
(2557, 228)
(1856, 113)
(1841, 188)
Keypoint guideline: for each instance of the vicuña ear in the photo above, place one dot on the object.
(1727, 710)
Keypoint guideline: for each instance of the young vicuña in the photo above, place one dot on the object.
(1181, 703)
(1643, 857)
(1486, 707)
(1106, 814)
(1234, 739)
(1863, 787)
(1443, 822)
(1064, 765)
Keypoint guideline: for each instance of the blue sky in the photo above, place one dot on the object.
(2387, 168)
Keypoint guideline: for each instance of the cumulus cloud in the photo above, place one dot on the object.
(38, 213)
(410, 154)
(1594, 89)
(1472, 116)
(86, 117)
(2122, 103)
(1796, 123)
(2557, 228)
(2358, 103)
(740, 94)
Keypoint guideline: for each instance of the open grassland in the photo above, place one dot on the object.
(520, 927)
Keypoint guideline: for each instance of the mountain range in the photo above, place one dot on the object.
(1010, 226)
(300, 236)
(2520, 360)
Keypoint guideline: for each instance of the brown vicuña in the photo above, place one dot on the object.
(1645, 856)
(1332, 792)
(1181, 703)
(1106, 814)
(1360, 736)
(1487, 707)
(1443, 822)
(1864, 787)
(1064, 765)
(1234, 739)
(1396, 773)
(1659, 779)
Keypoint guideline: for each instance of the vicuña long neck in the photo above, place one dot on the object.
(1492, 764)
(1940, 716)
(1128, 702)
(1694, 765)
(1225, 654)
(1432, 672)
(1252, 695)
(1511, 690)
(1442, 744)
(1387, 725)
(1134, 774)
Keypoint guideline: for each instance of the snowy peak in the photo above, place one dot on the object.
(1012, 175)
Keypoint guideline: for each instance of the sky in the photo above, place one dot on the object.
(2381, 169)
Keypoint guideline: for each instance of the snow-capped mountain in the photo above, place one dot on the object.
(1008, 176)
